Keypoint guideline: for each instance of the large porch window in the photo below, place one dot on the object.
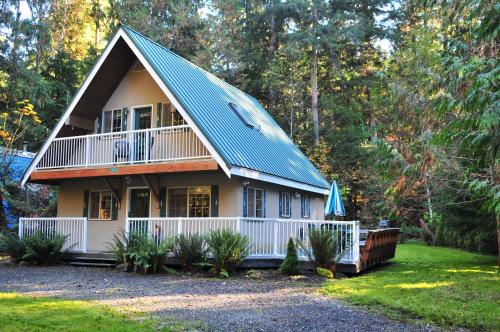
(100, 205)
(191, 202)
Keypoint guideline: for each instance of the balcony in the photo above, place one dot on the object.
(155, 150)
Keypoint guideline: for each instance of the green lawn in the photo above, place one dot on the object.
(439, 285)
(24, 313)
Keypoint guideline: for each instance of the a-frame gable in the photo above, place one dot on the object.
(120, 34)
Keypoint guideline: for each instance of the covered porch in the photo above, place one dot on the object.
(268, 236)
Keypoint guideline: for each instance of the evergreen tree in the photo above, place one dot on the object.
(291, 264)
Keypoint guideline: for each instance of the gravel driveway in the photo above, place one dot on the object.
(275, 303)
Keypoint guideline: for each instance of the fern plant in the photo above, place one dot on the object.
(228, 250)
(324, 247)
(12, 245)
(147, 255)
(191, 250)
(44, 249)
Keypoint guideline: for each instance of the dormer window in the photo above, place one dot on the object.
(243, 116)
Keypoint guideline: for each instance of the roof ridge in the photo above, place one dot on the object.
(186, 60)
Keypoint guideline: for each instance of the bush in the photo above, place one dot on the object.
(409, 232)
(146, 254)
(228, 250)
(12, 245)
(191, 250)
(324, 248)
(291, 263)
(44, 249)
(324, 272)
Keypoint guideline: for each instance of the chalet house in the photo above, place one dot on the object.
(151, 141)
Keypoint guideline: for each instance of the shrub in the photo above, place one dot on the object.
(324, 272)
(228, 250)
(44, 249)
(146, 254)
(324, 248)
(12, 245)
(191, 250)
(291, 263)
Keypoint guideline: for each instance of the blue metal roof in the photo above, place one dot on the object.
(206, 98)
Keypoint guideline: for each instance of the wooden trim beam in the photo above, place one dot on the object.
(114, 192)
(121, 170)
(151, 187)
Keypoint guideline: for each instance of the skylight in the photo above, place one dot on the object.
(243, 116)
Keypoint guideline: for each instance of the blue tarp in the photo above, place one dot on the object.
(17, 166)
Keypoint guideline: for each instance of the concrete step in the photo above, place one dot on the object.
(94, 259)
(92, 264)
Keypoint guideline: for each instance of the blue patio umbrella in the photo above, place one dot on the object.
(334, 205)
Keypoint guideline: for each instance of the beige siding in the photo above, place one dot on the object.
(272, 200)
(136, 89)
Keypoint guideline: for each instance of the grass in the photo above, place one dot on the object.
(443, 286)
(25, 313)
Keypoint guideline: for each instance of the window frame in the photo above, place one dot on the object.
(100, 204)
(282, 206)
(112, 111)
(263, 210)
(167, 198)
(167, 109)
(305, 210)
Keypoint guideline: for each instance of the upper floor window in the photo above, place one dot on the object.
(305, 205)
(285, 204)
(100, 205)
(112, 121)
(255, 204)
(170, 116)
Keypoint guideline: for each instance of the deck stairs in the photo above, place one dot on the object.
(100, 261)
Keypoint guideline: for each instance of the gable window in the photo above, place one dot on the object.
(100, 205)
(285, 204)
(112, 121)
(255, 204)
(305, 204)
(171, 116)
(189, 202)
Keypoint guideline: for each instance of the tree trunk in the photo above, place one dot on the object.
(272, 49)
(314, 79)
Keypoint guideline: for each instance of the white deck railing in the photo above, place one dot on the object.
(126, 147)
(74, 228)
(268, 237)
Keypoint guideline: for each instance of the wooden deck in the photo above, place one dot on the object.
(121, 170)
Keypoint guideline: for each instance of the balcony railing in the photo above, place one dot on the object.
(126, 147)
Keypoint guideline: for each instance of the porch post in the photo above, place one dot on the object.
(238, 224)
(355, 227)
(21, 227)
(87, 151)
(275, 245)
(127, 227)
(85, 224)
(179, 226)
